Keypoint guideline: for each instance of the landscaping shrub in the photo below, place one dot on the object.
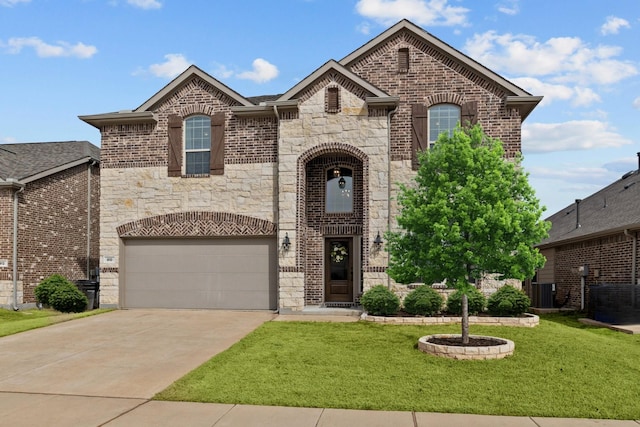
(508, 301)
(46, 287)
(423, 301)
(477, 302)
(380, 301)
(67, 298)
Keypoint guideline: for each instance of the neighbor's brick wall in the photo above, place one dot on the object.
(6, 232)
(610, 256)
(52, 232)
(431, 79)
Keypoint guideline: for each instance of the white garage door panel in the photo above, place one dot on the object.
(200, 273)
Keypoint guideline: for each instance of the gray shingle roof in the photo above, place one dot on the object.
(24, 160)
(612, 209)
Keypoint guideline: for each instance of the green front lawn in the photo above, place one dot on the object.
(560, 369)
(12, 322)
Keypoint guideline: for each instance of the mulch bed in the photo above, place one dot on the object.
(473, 342)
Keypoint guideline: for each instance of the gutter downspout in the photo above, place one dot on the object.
(277, 210)
(15, 247)
(93, 163)
(389, 114)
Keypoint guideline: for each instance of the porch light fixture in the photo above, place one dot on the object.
(377, 242)
(336, 172)
(341, 182)
(286, 242)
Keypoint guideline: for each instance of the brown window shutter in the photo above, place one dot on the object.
(174, 160)
(403, 60)
(469, 113)
(333, 103)
(419, 132)
(217, 144)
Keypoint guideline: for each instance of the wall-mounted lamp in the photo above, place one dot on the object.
(286, 242)
(377, 242)
(341, 182)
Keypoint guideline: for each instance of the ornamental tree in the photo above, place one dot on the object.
(471, 212)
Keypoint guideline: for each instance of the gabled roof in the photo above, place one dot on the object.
(28, 162)
(334, 66)
(611, 210)
(519, 98)
(144, 113)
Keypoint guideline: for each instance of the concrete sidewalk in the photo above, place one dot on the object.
(19, 409)
(103, 371)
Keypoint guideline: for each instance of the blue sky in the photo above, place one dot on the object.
(64, 58)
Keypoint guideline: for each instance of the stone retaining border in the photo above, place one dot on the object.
(466, 353)
(529, 321)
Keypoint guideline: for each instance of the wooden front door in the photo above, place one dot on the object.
(338, 269)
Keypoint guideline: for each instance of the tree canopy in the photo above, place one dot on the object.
(470, 212)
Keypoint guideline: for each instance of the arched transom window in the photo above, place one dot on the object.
(339, 190)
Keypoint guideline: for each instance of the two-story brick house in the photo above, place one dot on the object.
(213, 200)
(49, 215)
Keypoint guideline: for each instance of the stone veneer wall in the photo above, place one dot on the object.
(137, 193)
(350, 133)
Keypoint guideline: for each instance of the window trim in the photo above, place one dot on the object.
(431, 142)
(186, 150)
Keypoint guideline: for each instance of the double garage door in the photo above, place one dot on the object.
(200, 273)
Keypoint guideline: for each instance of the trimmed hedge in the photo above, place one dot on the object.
(423, 301)
(47, 286)
(380, 301)
(508, 301)
(477, 302)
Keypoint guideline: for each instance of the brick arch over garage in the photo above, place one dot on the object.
(198, 224)
(337, 149)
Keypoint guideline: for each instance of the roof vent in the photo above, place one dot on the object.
(578, 213)
(629, 185)
(628, 174)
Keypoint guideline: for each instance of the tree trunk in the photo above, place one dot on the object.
(465, 319)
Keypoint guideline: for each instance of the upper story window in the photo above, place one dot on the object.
(339, 190)
(197, 145)
(442, 118)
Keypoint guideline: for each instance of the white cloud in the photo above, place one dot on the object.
(573, 135)
(569, 173)
(561, 59)
(613, 25)
(636, 103)
(10, 3)
(422, 12)
(44, 50)
(364, 28)
(222, 72)
(145, 4)
(509, 7)
(262, 72)
(175, 64)
(579, 96)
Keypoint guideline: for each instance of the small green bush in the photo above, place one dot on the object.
(380, 301)
(508, 301)
(67, 298)
(477, 302)
(46, 287)
(423, 301)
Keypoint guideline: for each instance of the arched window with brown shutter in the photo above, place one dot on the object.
(419, 132)
(174, 145)
(216, 166)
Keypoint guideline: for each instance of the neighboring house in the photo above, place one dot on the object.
(214, 200)
(594, 241)
(49, 215)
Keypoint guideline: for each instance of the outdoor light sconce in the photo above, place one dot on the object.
(286, 242)
(377, 242)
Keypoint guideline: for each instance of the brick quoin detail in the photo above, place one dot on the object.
(197, 224)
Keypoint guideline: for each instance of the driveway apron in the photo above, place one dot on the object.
(123, 354)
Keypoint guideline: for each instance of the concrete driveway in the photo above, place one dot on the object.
(129, 355)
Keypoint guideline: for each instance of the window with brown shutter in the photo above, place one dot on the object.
(333, 99)
(216, 166)
(419, 132)
(469, 114)
(174, 160)
(403, 60)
